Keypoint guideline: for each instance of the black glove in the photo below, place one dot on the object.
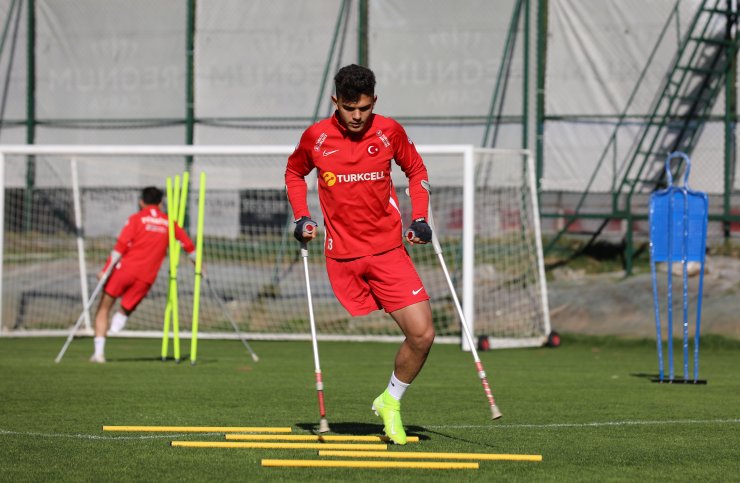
(304, 226)
(419, 228)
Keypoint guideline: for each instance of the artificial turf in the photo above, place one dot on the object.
(587, 407)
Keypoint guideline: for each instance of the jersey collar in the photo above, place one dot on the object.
(345, 132)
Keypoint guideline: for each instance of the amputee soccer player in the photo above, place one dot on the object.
(367, 263)
(142, 246)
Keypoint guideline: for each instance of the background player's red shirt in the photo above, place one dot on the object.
(143, 243)
(357, 196)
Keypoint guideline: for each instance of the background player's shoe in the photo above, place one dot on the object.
(389, 408)
(97, 358)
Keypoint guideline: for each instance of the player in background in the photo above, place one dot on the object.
(141, 246)
(367, 263)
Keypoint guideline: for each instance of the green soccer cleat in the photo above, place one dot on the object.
(389, 408)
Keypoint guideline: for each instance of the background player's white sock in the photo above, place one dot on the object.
(118, 322)
(99, 346)
(396, 388)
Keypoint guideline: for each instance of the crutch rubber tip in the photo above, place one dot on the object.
(495, 413)
(324, 426)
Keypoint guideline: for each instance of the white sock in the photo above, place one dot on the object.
(396, 388)
(99, 346)
(118, 322)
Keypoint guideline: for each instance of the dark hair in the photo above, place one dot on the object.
(352, 81)
(151, 195)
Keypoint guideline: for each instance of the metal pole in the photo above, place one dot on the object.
(362, 34)
(541, 67)
(190, 74)
(30, 112)
(730, 109)
(190, 92)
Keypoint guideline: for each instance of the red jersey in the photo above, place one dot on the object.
(143, 243)
(356, 193)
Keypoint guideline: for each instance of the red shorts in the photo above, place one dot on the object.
(128, 287)
(384, 281)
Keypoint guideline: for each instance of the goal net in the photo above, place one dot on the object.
(64, 206)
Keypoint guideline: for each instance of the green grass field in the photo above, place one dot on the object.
(586, 407)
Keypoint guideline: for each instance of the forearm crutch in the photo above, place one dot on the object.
(495, 413)
(90, 301)
(323, 423)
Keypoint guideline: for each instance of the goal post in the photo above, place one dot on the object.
(55, 198)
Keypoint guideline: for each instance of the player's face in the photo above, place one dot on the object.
(355, 115)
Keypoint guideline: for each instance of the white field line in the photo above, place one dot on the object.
(488, 426)
(588, 425)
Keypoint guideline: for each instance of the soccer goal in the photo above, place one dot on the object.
(63, 207)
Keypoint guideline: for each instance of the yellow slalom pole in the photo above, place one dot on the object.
(173, 298)
(314, 437)
(168, 308)
(198, 267)
(199, 429)
(429, 455)
(273, 445)
(183, 202)
(181, 193)
(426, 465)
